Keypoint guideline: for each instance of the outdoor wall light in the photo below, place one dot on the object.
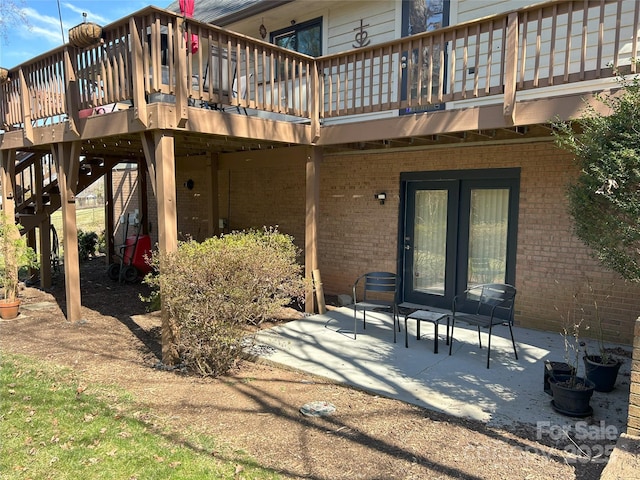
(381, 197)
(262, 30)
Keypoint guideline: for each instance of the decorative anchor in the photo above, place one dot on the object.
(361, 36)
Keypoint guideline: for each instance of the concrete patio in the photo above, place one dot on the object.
(510, 392)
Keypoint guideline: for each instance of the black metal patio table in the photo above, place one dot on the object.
(427, 314)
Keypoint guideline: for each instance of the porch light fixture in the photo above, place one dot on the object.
(263, 30)
(381, 197)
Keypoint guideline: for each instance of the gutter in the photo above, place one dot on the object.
(251, 11)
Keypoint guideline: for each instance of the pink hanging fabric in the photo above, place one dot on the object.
(186, 8)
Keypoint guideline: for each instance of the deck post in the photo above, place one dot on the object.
(72, 93)
(108, 215)
(148, 147)
(162, 155)
(138, 75)
(8, 181)
(314, 157)
(142, 196)
(315, 104)
(27, 128)
(511, 69)
(67, 158)
(44, 228)
(44, 232)
(182, 98)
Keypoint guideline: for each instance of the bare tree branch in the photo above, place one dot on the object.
(12, 14)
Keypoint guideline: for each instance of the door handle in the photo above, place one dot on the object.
(407, 247)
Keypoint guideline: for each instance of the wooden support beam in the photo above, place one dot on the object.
(166, 196)
(43, 228)
(67, 158)
(148, 147)
(182, 97)
(25, 99)
(8, 180)
(511, 69)
(72, 93)
(315, 106)
(137, 71)
(108, 215)
(314, 157)
(319, 289)
(142, 193)
(164, 154)
(44, 232)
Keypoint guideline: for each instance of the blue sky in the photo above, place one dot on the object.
(44, 34)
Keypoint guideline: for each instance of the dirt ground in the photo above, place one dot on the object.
(257, 407)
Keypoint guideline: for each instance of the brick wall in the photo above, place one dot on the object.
(125, 197)
(357, 234)
(633, 424)
(195, 218)
(126, 193)
(260, 189)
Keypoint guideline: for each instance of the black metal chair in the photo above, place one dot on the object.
(379, 284)
(485, 305)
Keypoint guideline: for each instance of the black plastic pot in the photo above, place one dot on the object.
(571, 400)
(602, 375)
(551, 369)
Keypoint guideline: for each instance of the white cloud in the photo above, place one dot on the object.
(91, 16)
(43, 27)
(43, 32)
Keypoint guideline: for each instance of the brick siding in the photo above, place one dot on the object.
(633, 424)
(357, 234)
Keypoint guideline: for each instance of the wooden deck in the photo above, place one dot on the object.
(136, 80)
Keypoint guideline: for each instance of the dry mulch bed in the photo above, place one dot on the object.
(256, 408)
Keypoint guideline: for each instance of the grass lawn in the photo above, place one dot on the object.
(88, 220)
(52, 428)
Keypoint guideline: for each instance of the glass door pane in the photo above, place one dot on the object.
(488, 229)
(430, 241)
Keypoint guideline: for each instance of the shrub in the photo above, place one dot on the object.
(213, 289)
(87, 244)
(102, 242)
(604, 200)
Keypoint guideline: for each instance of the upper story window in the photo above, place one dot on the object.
(303, 37)
(420, 16)
(424, 15)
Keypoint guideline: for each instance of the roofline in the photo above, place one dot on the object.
(254, 9)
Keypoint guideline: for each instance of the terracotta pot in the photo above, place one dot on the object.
(602, 375)
(9, 309)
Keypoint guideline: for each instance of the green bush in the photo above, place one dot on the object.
(213, 289)
(604, 200)
(87, 244)
(102, 242)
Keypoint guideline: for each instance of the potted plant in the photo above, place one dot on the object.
(571, 393)
(601, 369)
(14, 254)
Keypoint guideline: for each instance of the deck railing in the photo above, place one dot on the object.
(550, 44)
(145, 58)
